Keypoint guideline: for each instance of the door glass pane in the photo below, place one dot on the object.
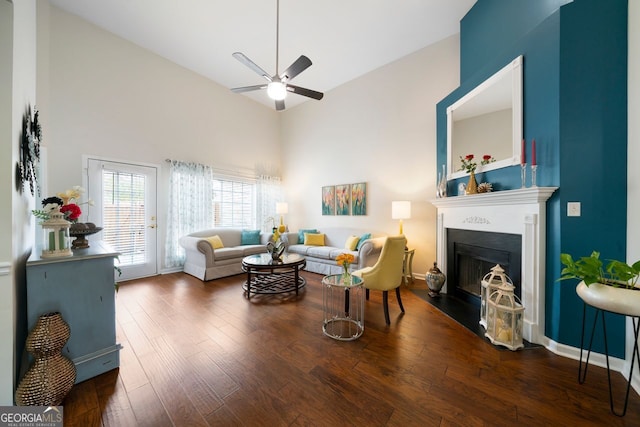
(124, 215)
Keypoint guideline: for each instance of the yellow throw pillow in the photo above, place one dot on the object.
(313, 239)
(214, 241)
(352, 242)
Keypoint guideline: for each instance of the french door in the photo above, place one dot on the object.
(125, 207)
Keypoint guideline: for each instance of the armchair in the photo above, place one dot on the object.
(386, 274)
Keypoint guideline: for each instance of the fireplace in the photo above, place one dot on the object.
(472, 254)
(520, 213)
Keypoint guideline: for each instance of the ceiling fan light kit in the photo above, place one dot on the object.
(277, 91)
(278, 87)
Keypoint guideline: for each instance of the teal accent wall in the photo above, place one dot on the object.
(593, 149)
(492, 28)
(575, 100)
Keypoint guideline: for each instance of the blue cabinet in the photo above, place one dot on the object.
(82, 289)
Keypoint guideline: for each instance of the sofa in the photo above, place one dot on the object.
(321, 257)
(218, 252)
(208, 258)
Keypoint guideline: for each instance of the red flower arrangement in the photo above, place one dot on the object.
(71, 211)
(469, 165)
(66, 202)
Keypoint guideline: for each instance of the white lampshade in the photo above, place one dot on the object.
(282, 208)
(401, 210)
(277, 91)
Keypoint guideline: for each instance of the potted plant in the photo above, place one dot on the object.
(613, 287)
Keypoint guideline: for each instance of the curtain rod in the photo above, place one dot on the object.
(248, 173)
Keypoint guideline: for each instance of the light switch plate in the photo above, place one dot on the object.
(573, 208)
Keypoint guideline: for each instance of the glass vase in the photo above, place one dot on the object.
(442, 183)
(346, 276)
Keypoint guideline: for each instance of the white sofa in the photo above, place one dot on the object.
(205, 263)
(321, 259)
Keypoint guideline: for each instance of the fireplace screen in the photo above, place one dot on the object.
(471, 270)
(472, 254)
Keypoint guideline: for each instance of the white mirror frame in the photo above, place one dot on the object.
(515, 69)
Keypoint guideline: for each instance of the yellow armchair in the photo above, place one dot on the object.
(386, 274)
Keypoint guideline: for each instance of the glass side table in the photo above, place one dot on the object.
(343, 306)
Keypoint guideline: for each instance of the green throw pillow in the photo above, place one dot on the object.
(302, 231)
(362, 239)
(250, 237)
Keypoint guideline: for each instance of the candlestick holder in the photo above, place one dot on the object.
(534, 169)
(523, 173)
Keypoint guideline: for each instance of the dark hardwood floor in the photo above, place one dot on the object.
(201, 354)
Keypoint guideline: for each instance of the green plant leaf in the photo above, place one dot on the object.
(590, 270)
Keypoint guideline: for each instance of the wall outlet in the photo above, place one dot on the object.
(573, 208)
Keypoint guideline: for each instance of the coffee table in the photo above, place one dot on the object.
(267, 276)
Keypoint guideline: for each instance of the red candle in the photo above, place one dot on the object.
(523, 157)
(533, 152)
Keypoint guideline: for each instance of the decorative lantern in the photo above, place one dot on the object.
(489, 283)
(55, 232)
(504, 318)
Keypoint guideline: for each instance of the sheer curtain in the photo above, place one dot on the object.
(190, 206)
(269, 191)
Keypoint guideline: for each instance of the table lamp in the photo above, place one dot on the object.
(401, 210)
(282, 208)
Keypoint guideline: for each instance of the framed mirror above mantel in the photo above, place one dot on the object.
(487, 121)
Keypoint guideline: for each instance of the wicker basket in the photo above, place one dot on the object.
(52, 375)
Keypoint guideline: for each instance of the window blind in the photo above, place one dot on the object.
(233, 203)
(123, 198)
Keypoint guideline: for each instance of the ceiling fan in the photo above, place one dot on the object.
(278, 86)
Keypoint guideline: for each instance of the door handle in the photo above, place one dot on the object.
(152, 226)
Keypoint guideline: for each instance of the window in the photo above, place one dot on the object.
(200, 199)
(123, 196)
(234, 203)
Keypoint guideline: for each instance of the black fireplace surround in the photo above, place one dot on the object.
(472, 254)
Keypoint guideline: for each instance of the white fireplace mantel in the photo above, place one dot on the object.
(521, 212)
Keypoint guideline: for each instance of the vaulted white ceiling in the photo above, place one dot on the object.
(344, 38)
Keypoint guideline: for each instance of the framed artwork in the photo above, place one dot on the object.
(359, 199)
(343, 199)
(329, 200)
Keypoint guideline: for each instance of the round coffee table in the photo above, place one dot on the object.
(267, 276)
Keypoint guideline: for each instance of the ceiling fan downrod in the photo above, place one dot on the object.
(276, 89)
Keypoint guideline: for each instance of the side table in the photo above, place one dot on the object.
(343, 306)
(407, 266)
(81, 288)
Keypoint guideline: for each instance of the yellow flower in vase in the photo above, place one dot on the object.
(345, 261)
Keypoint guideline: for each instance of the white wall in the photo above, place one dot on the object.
(13, 221)
(7, 334)
(379, 129)
(104, 96)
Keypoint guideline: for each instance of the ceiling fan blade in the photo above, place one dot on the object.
(280, 105)
(249, 63)
(248, 88)
(305, 92)
(296, 68)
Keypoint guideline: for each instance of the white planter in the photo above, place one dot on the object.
(617, 300)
